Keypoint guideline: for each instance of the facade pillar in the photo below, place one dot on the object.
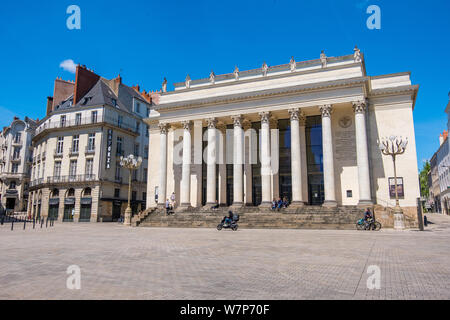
(304, 162)
(222, 164)
(266, 170)
(186, 167)
(238, 161)
(275, 157)
(328, 156)
(211, 164)
(362, 153)
(296, 161)
(249, 139)
(162, 191)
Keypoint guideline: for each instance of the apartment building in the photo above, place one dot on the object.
(15, 142)
(76, 173)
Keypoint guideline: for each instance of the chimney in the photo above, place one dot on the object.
(442, 137)
(84, 81)
(49, 105)
(62, 90)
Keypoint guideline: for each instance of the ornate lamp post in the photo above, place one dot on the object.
(131, 163)
(394, 146)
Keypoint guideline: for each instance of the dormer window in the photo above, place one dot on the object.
(114, 102)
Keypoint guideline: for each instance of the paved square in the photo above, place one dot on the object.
(152, 263)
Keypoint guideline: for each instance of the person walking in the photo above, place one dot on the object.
(172, 199)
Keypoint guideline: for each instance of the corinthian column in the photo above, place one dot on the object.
(162, 164)
(238, 161)
(186, 167)
(362, 153)
(328, 157)
(265, 160)
(296, 161)
(211, 163)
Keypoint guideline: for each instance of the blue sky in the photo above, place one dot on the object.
(145, 41)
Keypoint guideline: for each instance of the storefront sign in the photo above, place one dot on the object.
(109, 148)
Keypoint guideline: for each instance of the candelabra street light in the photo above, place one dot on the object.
(131, 163)
(395, 146)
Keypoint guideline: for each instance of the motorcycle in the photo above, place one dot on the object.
(369, 225)
(227, 224)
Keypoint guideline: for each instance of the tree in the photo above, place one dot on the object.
(423, 177)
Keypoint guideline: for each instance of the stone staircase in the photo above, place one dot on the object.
(307, 217)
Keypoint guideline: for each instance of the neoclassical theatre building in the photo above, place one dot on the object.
(306, 131)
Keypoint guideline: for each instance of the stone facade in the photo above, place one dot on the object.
(15, 142)
(312, 126)
(76, 174)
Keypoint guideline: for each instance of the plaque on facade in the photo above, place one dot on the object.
(345, 122)
(400, 189)
(345, 146)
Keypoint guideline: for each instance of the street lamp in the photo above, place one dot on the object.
(131, 163)
(394, 146)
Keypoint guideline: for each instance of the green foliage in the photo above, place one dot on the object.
(423, 176)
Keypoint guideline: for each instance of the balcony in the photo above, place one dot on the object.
(118, 179)
(69, 123)
(74, 152)
(58, 153)
(43, 155)
(15, 158)
(36, 182)
(72, 178)
(89, 150)
(17, 142)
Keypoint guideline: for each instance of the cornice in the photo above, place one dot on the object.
(264, 93)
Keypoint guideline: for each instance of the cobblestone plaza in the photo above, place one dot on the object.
(162, 263)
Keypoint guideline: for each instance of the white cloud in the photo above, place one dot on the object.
(68, 65)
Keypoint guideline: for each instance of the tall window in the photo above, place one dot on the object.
(114, 102)
(43, 169)
(91, 142)
(78, 119)
(15, 168)
(63, 121)
(94, 116)
(60, 145)
(137, 107)
(73, 168)
(57, 169)
(12, 185)
(118, 171)
(38, 171)
(119, 121)
(17, 137)
(138, 126)
(145, 175)
(119, 146)
(75, 143)
(146, 130)
(148, 112)
(16, 153)
(89, 167)
(136, 149)
(146, 152)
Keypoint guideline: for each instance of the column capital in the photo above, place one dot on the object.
(187, 124)
(212, 123)
(359, 106)
(265, 116)
(297, 115)
(163, 127)
(326, 110)
(237, 120)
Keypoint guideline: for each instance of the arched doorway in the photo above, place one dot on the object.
(86, 205)
(69, 205)
(53, 205)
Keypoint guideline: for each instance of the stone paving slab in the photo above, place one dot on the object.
(167, 263)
